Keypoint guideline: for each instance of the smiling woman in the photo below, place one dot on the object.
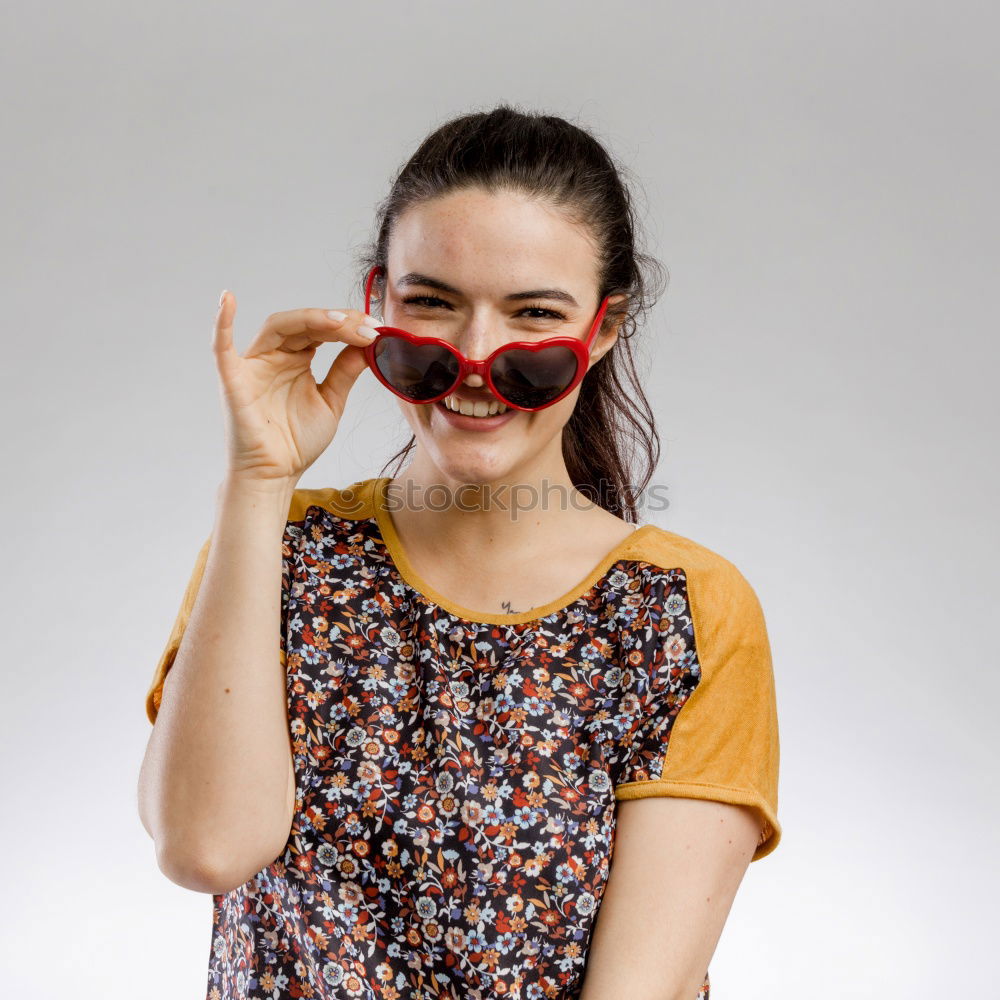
(496, 739)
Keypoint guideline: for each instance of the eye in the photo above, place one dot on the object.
(429, 299)
(424, 299)
(548, 313)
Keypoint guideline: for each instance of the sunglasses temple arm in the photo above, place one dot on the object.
(598, 320)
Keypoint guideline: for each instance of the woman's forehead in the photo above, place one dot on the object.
(494, 252)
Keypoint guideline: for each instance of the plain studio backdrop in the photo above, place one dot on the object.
(821, 183)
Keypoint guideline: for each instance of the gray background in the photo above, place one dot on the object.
(821, 182)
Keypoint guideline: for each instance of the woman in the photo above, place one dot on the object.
(414, 718)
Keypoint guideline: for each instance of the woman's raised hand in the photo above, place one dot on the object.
(279, 420)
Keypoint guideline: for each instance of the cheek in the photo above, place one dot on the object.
(549, 422)
(561, 412)
(411, 414)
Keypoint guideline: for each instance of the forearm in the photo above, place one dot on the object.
(217, 767)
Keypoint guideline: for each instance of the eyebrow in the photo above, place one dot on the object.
(413, 278)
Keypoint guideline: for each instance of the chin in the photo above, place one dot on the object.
(483, 459)
(476, 469)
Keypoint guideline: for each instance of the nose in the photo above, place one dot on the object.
(477, 346)
(478, 336)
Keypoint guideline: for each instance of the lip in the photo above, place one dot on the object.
(465, 423)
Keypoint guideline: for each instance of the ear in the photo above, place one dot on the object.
(607, 337)
(378, 290)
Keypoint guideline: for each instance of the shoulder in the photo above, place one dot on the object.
(716, 588)
(355, 501)
(668, 550)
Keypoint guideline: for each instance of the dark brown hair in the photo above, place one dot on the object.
(610, 443)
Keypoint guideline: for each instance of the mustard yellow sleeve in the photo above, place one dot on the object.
(722, 742)
(155, 693)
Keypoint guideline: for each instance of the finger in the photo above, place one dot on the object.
(341, 376)
(226, 357)
(327, 326)
(297, 329)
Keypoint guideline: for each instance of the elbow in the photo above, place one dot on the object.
(192, 864)
(196, 871)
(183, 865)
(190, 858)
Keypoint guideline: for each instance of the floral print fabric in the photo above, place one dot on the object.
(455, 812)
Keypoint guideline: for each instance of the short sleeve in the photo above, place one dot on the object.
(155, 693)
(722, 742)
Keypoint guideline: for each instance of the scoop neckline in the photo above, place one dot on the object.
(412, 578)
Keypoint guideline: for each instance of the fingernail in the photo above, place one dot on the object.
(367, 330)
(222, 297)
(369, 320)
(337, 316)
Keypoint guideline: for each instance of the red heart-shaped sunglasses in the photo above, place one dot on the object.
(528, 375)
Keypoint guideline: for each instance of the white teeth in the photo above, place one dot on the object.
(480, 408)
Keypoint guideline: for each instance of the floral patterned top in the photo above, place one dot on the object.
(457, 773)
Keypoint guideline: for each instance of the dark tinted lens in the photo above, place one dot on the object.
(533, 378)
(419, 372)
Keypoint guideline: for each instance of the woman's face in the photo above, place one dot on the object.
(488, 247)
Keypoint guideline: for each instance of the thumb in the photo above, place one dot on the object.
(341, 376)
(226, 356)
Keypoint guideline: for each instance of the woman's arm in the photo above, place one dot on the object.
(676, 866)
(216, 787)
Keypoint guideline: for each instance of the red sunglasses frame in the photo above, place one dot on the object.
(580, 348)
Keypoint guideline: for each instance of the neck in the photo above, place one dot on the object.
(517, 512)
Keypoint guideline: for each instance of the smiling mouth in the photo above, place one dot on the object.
(479, 408)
